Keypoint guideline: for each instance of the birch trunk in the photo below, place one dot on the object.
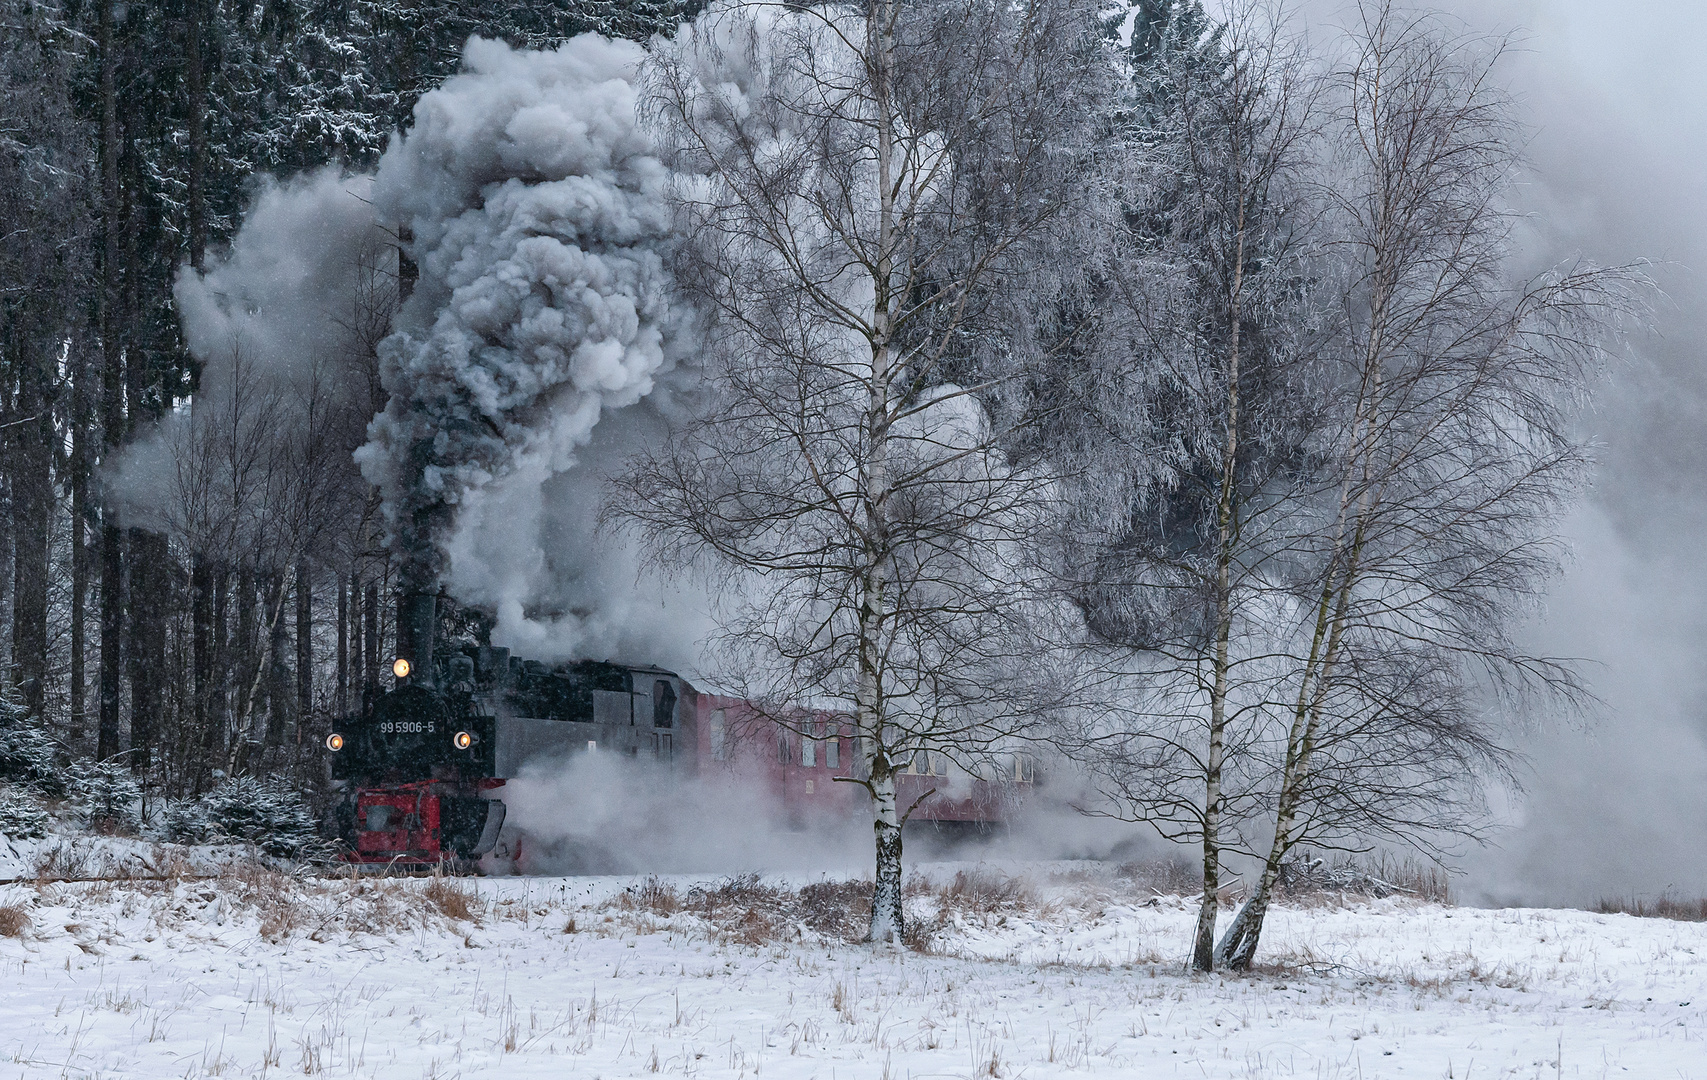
(886, 916)
(1203, 947)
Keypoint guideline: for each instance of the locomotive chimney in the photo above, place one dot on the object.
(417, 615)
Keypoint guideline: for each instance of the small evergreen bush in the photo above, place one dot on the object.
(267, 813)
(185, 821)
(106, 796)
(22, 816)
(27, 751)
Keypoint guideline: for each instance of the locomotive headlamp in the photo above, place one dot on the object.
(462, 740)
(334, 741)
(400, 668)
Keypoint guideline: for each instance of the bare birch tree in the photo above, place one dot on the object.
(865, 190)
(1191, 449)
(1452, 459)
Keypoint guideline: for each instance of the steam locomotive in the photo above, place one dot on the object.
(422, 767)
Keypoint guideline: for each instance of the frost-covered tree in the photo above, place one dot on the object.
(1450, 460)
(267, 813)
(43, 202)
(1314, 499)
(864, 193)
(1186, 455)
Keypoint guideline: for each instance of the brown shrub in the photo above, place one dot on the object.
(743, 910)
(985, 893)
(1307, 880)
(979, 893)
(14, 920)
(1163, 877)
(658, 897)
(837, 909)
(278, 922)
(61, 862)
(451, 900)
(1664, 907)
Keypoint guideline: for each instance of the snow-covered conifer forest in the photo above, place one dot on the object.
(1256, 433)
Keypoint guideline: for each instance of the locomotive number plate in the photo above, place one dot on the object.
(406, 727)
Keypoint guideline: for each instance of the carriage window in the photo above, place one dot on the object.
(782, 748)
(808, 751)
(719, 736)
(1024, 768)
(833, 751)
(663, 704)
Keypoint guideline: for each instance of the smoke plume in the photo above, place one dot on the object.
(544, 305)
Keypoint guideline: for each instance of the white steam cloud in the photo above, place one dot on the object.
(607, 814)
(277, 319)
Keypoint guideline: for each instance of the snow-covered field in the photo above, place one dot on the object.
(1067, 975)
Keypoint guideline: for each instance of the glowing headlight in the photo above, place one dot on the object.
(334, 741)
(400, 668)
(462, 740)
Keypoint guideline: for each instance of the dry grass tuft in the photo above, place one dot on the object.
(743, 910)
(979, 894)
(60, 862)
(451, 899)
(1311, 880)
(837, 909)
(1162, 877)
(986, 893)
(1663, 907)
(14, 920)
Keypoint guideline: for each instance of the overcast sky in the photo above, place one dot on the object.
(1616, 96)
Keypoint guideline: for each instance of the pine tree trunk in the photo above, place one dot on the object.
(280, 699)
(304, 646)
(201, 654)
(112, 636)
(218, 730)
(112, 392)
(370, 648)
(31, 467)
(245, 668)
(342, 700)
(78, 730)
(195, 77)
(5, 547)
(149, 598)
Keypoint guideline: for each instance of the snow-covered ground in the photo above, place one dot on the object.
(1070, 975)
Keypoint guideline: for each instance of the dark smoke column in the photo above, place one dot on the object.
(540, 233)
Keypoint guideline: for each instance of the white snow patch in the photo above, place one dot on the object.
(1083, 979)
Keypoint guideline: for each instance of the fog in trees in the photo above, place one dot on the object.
(1173, 388)
(865, 199)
